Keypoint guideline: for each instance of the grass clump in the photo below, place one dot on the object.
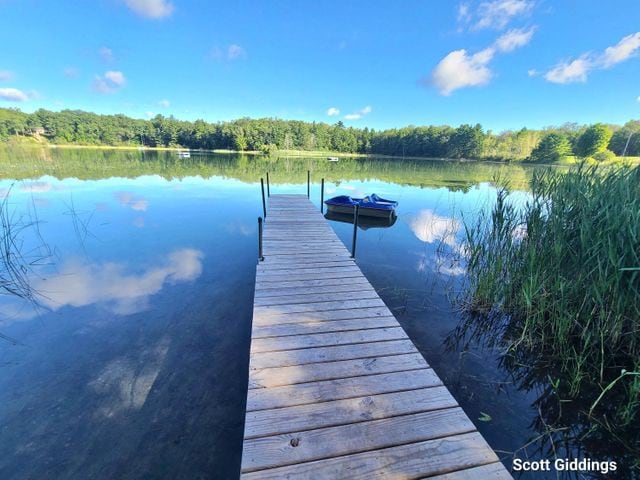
(563, 270)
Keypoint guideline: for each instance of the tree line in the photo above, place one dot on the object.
(269, 135)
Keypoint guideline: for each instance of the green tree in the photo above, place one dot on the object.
(551, 148)
(626, 140)
(594, 139)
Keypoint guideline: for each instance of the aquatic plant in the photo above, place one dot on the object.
(562, 271)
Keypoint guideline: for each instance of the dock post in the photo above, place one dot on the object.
(322, 196)
(308, 182)
(268, 191)
(264, 204)
(355, 230)
(260, 257)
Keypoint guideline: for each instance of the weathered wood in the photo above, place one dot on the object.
(316, 297)
(279, 330)
(336, 389)
(492, 471)
(334, 270)
(294, 342)
(261, 317)
(330, 354)
(306, 446)
(315, 307)
(414, 460)
(263, 423)
(355, 286)
(337, 282)
(324, 391)
(277, 377)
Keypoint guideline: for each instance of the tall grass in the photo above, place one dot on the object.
(563, 271)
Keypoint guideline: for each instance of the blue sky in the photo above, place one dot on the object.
(503, 63)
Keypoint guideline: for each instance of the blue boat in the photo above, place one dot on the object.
(369, 206)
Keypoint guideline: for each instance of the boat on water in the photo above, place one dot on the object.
(182, 154)
(369, 206)
(333, 159)
(364, 223)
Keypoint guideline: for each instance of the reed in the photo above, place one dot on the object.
(563, 271)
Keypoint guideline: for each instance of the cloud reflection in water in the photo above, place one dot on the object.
(430, 227)
(78, 284)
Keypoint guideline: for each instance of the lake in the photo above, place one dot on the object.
(131, 362)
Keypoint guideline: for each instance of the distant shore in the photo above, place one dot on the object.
(297, 153)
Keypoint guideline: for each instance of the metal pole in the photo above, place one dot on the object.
(268, 191)
(308, 182)
(322, 196)
(264, 204)
(260, 257)
(355, 231)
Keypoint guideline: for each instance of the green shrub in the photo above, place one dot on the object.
(605, 156)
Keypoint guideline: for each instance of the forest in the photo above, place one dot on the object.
(268, 135)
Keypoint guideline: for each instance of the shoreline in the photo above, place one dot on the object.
(309, 153)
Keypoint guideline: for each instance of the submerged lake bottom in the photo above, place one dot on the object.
(130, 360)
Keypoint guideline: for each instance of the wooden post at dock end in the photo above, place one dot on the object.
(264, 203)
(355, 230)
(260, 256)
(268, 191)
(308, 183)
(322, 196)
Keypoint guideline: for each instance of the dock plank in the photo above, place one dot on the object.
(414, 460)
(262, 423)
(324, 391)
(336, 388)
(281, 376)
(317, 444)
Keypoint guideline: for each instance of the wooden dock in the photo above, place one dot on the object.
(336, 388)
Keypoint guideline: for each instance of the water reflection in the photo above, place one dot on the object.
(159, 393)
(364, 222)
(129, 199)
(564, 426)
(112, 285)
(430, 227)
(124, 383)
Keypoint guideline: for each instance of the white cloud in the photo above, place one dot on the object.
(532, 72)
(13, 95)
(150, 8)
(110, 82)
(577, 70)
(359, 114)
(106, 54)
(230, 53)
(150, 114)
(464, 13)
(638, 99)
(459, 69)
(71, 72)
(333, 111)
(570, 71)
(117, 78)
(513, 39)
(6, 75)
(498, 13)
(622, 51)
(235, 51)
(164, 103)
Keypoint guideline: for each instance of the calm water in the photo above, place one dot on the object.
(134, 363)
